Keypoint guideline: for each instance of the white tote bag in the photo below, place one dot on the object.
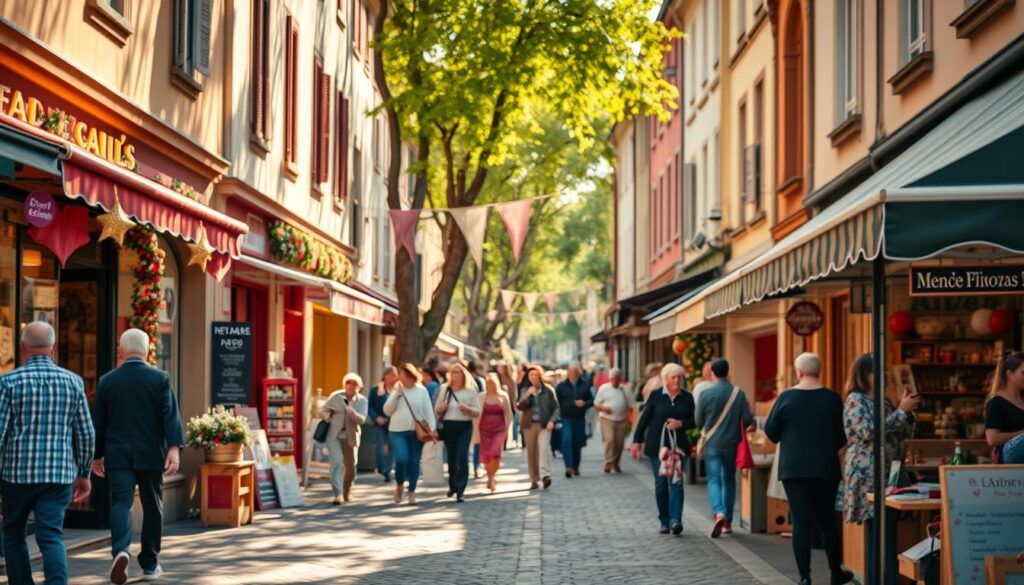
(432, 464)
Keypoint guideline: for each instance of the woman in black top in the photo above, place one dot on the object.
(1004, 411)
(670, 408)
(807, 423)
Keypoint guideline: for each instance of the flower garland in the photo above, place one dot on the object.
(699, 349)
(147, 297)
(296, 247)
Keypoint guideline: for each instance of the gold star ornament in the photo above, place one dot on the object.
(115, 223)
(201, 250)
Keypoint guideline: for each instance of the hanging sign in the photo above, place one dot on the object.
(804, 318)
(993, 279)
(40, 208)
(230, 363)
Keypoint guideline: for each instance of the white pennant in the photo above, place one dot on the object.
(531, 301)
(473, 223)
(565, 318)
(492, 315)
(508, 297)
(575, 295)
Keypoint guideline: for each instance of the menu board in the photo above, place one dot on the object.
(286, 478)
(230, 363)
(983, 516)
(266, 488)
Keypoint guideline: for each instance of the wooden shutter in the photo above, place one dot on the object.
(204, 16)
(291, 70)
(315, 126)
(341, 150)
(325, 128)
(181, 33)
(258, 62)
(690, 199)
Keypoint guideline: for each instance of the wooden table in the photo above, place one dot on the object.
(228, 493)
(910, 505)
(907, 567)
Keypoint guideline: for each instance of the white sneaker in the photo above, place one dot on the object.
(153, 575)
(119, 568)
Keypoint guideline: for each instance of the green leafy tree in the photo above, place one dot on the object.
(456, 77)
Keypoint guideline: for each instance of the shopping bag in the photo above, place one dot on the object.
(432, 464)
(744, 457)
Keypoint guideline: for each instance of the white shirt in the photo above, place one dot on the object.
(468, 396)
(398, 409)
(614, 398)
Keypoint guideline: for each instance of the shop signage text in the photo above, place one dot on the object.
(804, 318)
(40, 208)
(230, 363)
(30, 110)
(966, 280)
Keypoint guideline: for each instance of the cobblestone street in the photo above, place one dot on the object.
(592, 529)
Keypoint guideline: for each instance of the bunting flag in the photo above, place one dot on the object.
(531, 301)
(492, 315)
(578, 315)
(516, 215)
(473, 223)
(549, 317)
(551, 299)
(575, 295)
(508, 297)
(565, 318)
(404, 222)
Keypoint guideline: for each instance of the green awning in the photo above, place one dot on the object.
(29, 150)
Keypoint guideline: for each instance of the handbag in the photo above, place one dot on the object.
(671, 458)
(320, 432)
(931, 562)
(423, 432)
(744, 456)
(702, 443)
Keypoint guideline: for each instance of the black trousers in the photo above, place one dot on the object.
(122, 484)
(457, 435)
(812, 503)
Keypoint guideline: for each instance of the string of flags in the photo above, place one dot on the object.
(549, 316)
(530, 299)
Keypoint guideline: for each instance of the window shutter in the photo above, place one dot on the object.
(690, 197)
(204, 16)
(341, 150)
(291, 68)
(181, 33)
(256, 61)
(325, 129)
(748, 174)
(755, 188)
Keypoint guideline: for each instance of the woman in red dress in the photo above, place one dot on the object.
(496, 415)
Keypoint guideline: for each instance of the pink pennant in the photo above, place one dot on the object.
(551, 299)
(578, 315)
(68, 232)
(218, 266)
(516, 215)
(404, 222)
(492, 315)
(507, 298)
(565, 318)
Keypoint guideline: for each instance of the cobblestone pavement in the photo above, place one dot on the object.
(591, 529)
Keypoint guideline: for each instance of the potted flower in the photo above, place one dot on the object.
(220, 433)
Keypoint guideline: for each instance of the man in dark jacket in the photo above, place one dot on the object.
(574, 398)
(138, 439)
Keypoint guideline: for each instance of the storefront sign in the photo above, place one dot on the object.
(995, 279)
(40, 208)
(230, 363)
(30, 110)
(804, 318)
(256, 241)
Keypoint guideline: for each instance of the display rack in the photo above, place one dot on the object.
(278, 412)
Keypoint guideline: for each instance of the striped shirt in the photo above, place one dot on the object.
(46, 432)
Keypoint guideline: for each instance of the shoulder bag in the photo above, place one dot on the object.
(423, 432)
(702, 443)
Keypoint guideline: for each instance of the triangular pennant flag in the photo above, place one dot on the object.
(575, 298)
(492, 315)
(578, 315)
(565, 318)
(404, 222)
(473, 223)
(551, 299)
(516, 215)
(508, 297)
(531, 301)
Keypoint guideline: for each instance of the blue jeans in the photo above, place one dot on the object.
(457, 434)
(476, 457)
(1013, 450)
(515, 429)
(720, 465)
(668, 495)
(574, 434)
(407, 450)
(382, 450)
(48, 501)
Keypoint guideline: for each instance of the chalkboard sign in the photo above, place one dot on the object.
(286, 478)
(230, 363)
(983, 516)
(266, 490)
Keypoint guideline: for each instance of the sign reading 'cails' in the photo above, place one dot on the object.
(804, 318)
(966, 280)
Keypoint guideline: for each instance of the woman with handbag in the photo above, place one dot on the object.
(412, 424)
(859, 469)
(539, 408)
(456, 406)
(661, 436)
(345, 411)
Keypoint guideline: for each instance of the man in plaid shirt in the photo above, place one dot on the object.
(47, 443)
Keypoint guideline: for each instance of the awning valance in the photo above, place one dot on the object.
(30, 150)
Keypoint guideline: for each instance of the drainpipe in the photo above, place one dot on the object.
(809, 111)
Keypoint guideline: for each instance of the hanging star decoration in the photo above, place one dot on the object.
(201, 250)
(115, 223)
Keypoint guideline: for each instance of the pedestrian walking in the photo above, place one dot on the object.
(346, 411)
(859, 468)
(807, 424)
(430, 381)
(511, 388)
(383, 454)
(409, 408)
(456, 406)
(477, 371)
(138, 440)
(574, 399)
(652, 382)
(1004, 410)
(47, 442)
(539, 407)
(661, 435)
(613, 404)
(492, 427)
(724, 415)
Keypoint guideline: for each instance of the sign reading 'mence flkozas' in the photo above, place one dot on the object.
(995, 279)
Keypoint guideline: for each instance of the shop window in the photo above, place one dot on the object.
(192, 29)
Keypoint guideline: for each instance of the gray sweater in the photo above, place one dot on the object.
(709, 407)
